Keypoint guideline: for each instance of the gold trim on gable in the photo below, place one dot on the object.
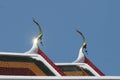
(33, 67)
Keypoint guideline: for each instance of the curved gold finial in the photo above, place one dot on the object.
(39, 37)
(35, 46)
(81, 56)
(85, 43)
(81, 35)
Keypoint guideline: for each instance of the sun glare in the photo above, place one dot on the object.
(35, 40)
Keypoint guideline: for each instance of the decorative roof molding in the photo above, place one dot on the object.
(35, 46)
(36, 50)
(81, 56)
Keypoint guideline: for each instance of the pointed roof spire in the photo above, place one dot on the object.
(83, 59)
(39, 37)
(35, 46)
(81, 56)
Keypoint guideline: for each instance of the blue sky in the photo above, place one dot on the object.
(99, 21)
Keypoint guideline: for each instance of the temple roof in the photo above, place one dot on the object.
(35, 65)
(40, 65)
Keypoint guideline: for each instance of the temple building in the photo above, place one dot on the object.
(35, 65)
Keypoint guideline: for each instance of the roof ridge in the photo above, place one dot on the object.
(50, 62)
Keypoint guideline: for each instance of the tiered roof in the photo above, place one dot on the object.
(34, 63)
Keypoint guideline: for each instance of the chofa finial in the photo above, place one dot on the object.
(81, 56)
(84, 40)
(39, 37)
(35, 46)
